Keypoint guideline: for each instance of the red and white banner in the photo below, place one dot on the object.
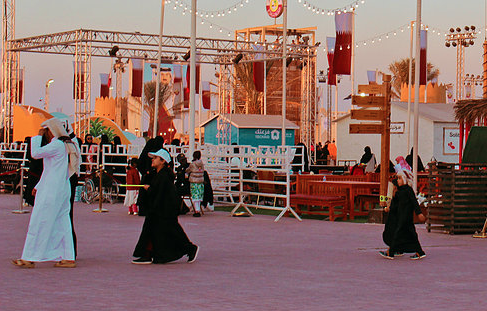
(371, 76)
(136, 77)
(104, 87)
(330, 53)
(206, 99)
(79, 80)
(258, 69)
(342, 59)
(177, 73)
(422, 57)
(20, 88)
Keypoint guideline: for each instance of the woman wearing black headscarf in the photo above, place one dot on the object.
(368, 159)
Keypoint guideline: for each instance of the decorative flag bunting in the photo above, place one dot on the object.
(371, 75)
(78, 80)
(330, 52)
(136, 77)
(422, 57)
(342, 59)
(258, 69)
(206, 99)
(104, 88)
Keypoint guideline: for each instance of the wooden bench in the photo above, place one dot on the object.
(9, 174)
(318, 199)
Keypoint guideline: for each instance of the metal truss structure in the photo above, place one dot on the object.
(11, 73)
(84, 44)
(308, 106)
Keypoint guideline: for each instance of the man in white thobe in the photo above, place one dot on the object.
(49, 237)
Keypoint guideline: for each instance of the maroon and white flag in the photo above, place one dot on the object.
(258, 71)
(206, 99)
(422, 57)
(20, 88)
(342, 59)
(177, 86)
(104, 87)
(330, 52)
(79, 80)
(136, 77)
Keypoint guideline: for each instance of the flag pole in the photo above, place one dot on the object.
(416, 95)
(410, 78)
(192, 78)
(284, 56)
(158, 72)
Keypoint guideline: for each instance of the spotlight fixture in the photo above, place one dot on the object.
(113, 51)
(187, 55)
(288, 61)
(237, 58)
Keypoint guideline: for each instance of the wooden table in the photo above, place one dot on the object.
(353, 188)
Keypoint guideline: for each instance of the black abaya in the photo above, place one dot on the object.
(400, 232)
(162, 237)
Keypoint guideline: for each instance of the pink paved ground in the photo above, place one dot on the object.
(244, 264)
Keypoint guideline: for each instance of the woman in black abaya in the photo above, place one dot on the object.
(399, 231)
(162, 238)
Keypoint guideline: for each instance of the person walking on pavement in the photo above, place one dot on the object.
(196, 174)
(49, 236)
(162, 238)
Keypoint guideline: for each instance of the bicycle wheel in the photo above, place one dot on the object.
(88, 193)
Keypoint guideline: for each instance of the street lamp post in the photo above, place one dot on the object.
(46, 98)
(460, 39)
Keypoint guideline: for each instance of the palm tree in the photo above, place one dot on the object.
(400, 73)
(165, 92)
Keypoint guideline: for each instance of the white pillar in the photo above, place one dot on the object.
(158, 71)
(408, 125)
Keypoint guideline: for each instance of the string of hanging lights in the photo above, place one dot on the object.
(317, 10)
(210, 14)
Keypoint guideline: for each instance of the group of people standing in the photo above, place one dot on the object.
(51, 235)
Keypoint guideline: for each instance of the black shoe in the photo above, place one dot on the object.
(193, 254)
(418, 256)
(398, 254)
(385, 254)
(197, 214)
(142, 261)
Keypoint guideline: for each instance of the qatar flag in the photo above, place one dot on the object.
(258, 75)
(371, 76)
(78, 80)
(330, 52)
(136, 77)
(104, 87)
(206, 99)
(20, 88)
(422, 57)
(343, 47)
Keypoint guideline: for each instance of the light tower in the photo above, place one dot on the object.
(460, 39)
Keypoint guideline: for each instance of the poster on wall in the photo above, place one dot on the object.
(451, 141)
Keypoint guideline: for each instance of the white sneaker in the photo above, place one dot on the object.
(210, 207)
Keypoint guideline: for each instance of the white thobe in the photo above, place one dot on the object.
(49, 237)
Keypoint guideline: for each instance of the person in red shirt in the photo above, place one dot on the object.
(133, 178)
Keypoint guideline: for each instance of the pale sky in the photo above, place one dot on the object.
(373, 18)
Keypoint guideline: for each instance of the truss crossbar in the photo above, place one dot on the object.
(138, 45)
